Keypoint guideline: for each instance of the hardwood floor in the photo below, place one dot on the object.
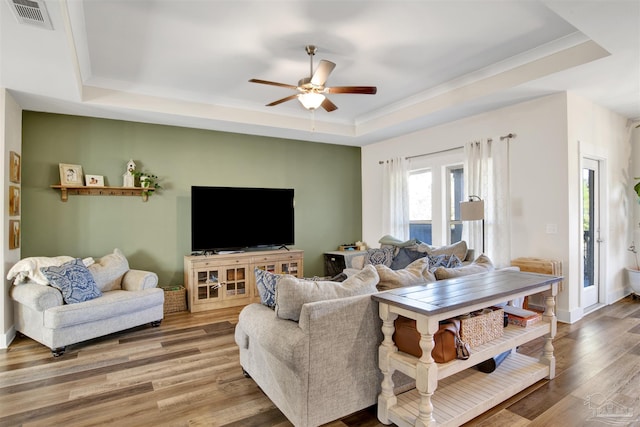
(186, 373)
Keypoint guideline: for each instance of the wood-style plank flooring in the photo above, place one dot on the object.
(186, 373)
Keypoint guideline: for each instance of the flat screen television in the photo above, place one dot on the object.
(238, 218)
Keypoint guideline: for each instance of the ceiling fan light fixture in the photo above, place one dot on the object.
(311, 100)
(312, 89)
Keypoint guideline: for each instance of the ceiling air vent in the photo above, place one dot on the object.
(32, 12)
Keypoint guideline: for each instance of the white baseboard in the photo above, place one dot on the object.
(613, 297)
(578, 313)
(572, 316)
(6, 339)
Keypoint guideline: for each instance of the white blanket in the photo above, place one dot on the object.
(28, 269)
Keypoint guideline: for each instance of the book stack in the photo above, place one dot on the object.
(521, 317)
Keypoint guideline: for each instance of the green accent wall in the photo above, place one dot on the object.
(156, 235)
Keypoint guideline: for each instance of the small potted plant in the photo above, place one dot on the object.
(147, 180)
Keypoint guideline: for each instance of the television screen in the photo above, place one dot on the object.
(233, 218)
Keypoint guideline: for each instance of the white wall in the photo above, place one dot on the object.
(541, 173)
(11, 138)
(597, 133)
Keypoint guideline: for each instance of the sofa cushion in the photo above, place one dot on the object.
(109, 270)
(377, 256)
(404, 257)
(482, 264)
(74, 280)
(292, 293)
(415, 273)
(110, 305)
(267, 284)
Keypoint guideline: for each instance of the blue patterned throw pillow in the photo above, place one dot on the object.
(382, 256)
(266, 283)
(447, 261)
(74, 280)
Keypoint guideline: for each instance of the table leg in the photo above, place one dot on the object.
(387, 398)
(426, 372)
(549, 316)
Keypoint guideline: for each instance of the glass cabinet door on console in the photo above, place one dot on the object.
(270, 267)
(208, 285)
(289, 268)
(282, 266)
(236, 282)
(217, 284)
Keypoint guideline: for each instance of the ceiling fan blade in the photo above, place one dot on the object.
(328, 105)
(322, 72)
(267, 82)
(280, 101)
(366, 90)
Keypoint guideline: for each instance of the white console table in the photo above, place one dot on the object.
(462, 393)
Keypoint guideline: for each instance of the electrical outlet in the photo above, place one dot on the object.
(552, 228)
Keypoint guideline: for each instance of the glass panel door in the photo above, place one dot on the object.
(590, 233)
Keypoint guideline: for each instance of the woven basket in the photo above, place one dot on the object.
(175, 299)
(482, 328)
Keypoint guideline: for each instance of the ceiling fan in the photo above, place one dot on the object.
(312, 89)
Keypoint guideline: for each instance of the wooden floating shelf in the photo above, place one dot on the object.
(65, 191)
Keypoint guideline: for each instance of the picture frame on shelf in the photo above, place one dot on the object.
(14, 167)
(14, 200)
(94, 180)
(71, 175)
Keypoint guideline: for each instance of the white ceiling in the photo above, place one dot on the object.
(188, 63)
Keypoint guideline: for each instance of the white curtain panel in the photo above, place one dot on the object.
(487, 176)
(395, 198)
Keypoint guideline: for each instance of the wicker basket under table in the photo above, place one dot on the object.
(482, 328)
(175, 299)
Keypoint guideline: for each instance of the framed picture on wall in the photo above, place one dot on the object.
(94, 180)
(71, 175)
(14, 200)
(14, 167)
(14, 233)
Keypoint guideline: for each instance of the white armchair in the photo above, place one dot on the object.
(128, 298)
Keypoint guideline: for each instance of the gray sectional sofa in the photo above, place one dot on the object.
(324, 364)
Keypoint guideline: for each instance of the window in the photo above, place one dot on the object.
(436, 188)
(420, 209)
(455, 194)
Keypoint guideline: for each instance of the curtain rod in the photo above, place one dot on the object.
(508, 136)
(502, 138)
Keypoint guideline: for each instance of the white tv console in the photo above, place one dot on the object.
(228, 280)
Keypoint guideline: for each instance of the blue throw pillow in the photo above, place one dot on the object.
(74, 280)
(266, 283)
(447, 261)
(404, 257)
